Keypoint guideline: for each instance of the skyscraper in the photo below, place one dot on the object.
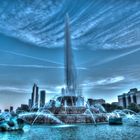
(70, 71)
(30, 103)
(42, 98)
(11, 108)
(35, 96)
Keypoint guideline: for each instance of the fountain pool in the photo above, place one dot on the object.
(74, 132)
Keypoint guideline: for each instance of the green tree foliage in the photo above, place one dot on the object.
(134, 107)
(111, 107)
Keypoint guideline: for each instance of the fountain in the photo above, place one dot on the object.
(70, 107)
(10, 122)
(129, 117)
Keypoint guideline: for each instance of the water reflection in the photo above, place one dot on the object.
(75, 132)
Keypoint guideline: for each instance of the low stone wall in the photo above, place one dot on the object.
(34, 119)
(70, 119)
(68, 115)
(65, 118)
(81, 118)
(69, 110)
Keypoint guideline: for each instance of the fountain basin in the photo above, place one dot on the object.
(64, 118)
(59, 115)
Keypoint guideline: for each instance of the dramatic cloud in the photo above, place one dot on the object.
(20, 90)
(111, 80)
(105, 41)
(96, 24)
(106, 81)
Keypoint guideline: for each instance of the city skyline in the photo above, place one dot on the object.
(106, 50)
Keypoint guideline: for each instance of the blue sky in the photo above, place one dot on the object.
(105, 40)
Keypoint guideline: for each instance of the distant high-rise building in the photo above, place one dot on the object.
(35, 96)
(42, 98)
(30, 103)
(115, 103)
(133, 96)
(24, 107)
(11, 108)
(95, 101)
(6, 110)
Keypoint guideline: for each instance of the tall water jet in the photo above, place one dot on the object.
(70, 70)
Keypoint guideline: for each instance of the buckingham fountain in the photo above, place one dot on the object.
(70, 107)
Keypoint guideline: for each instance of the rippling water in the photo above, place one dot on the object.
(105, 35)
(75, 132)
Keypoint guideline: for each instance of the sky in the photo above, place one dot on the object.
(105, 37)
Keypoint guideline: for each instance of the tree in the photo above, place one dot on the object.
(110, 107)
(134, 107)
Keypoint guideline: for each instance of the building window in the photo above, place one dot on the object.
(129, 99)
(124, 101)
(135, 99)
